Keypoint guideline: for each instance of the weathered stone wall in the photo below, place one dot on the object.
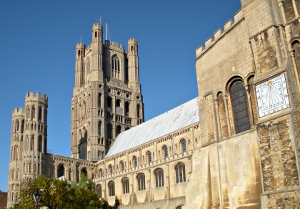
(226, 174)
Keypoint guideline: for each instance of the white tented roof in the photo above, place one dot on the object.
(168, 122)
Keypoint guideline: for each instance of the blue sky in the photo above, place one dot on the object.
(38, 39)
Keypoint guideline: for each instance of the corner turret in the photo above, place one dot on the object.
(97, 32)
(133, 63)
(79, 70)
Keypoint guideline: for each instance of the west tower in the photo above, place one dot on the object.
(28, 143)
(107, 96)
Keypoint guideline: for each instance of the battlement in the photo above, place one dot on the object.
(17, 111)
(31, 95)
(114, 44)
(220, 33)
(80, 45)
(97, 26)
(132, 41)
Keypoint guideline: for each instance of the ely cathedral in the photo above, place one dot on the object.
(234, 146)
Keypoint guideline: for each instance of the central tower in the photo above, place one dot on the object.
(107, 96)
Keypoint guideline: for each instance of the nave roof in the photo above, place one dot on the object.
(166, 123)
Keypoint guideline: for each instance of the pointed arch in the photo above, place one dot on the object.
(141, 181)
(118, 130)
(32, 112)
(125, 185)
(40, 113)
(134, 161)
(99, 190)
(165, 151)
(111, 188)
(109, 131)
(84, 172)
(183, 145)
(109, 102)
(32, 142)
(159, 177)
(17, 126)
(40, 143)
(60, 171)
(127, 108)
(180, 173)
(115, 67)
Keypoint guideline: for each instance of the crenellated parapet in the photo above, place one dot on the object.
(97, 26)
(18, 111)
(114, 46)
(80, 45)
(220, 33)
(132, 41)
(40, 98)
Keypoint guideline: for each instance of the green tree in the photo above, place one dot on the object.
(60, 194)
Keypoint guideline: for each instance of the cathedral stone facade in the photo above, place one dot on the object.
(235, 146)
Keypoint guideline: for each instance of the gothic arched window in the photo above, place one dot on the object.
(109, 102)
(134, 161)
(84, 172)
(141, 182)
(111, 188)
(17, 126)
(109, 131)
(32, 143)
(159, 177)
(115, 67)
(99, 127)
(60, 171)
(149, 157)
(118, 130)
(99, 190)
(126, 108)
(239, 106)
(33, 112)
(100, 173)
(138, 107)
(40, 144)
(180, 173)
(125, 185)
(165, 150)
(22, 126)
(110, 169)
(99, 100)
(40, 113)
(183, 145)
(122, 167)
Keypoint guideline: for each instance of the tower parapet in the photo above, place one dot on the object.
(18, 110)
(132, 41)
(220, 33)
(30, 96)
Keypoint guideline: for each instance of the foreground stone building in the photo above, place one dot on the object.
(235, 146)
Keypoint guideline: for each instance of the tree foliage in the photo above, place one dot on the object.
(61, 194)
